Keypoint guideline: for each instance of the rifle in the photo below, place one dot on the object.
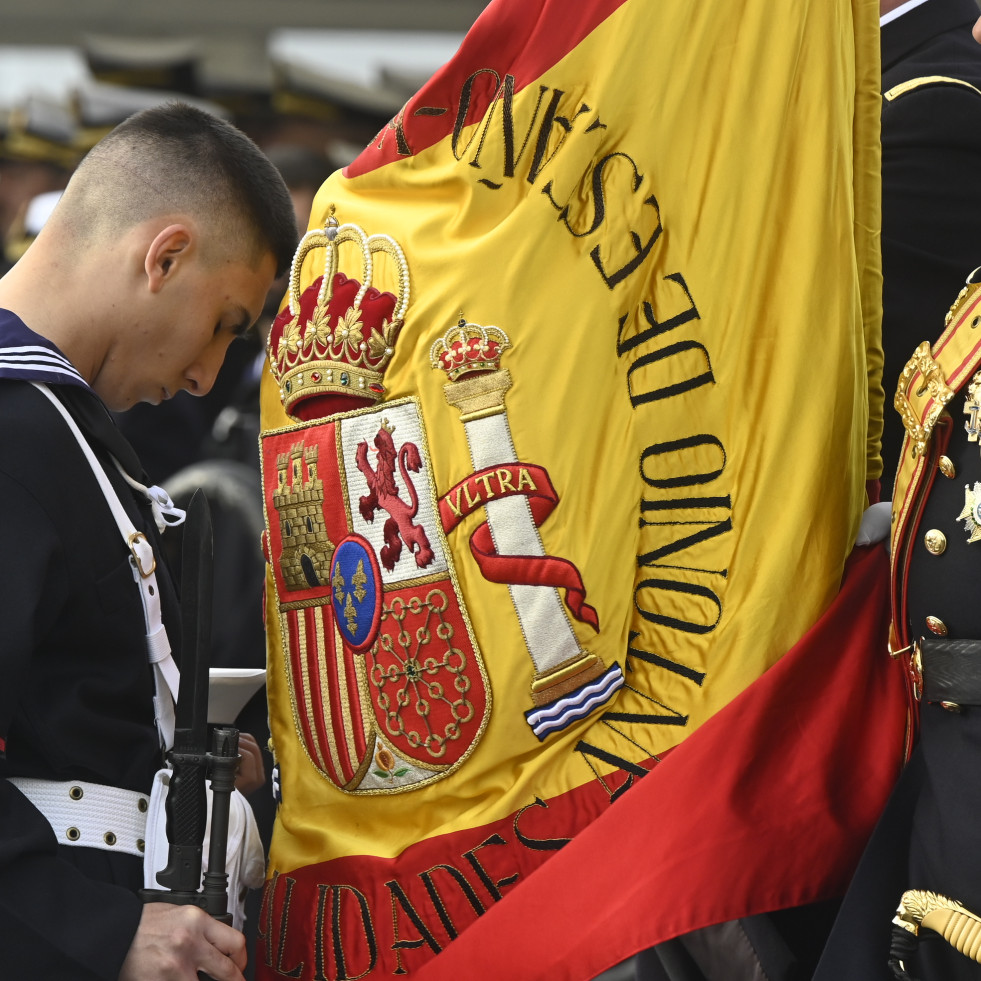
(192, 764)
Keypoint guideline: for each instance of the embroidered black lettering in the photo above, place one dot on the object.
(441, 911)
(505, 97)
(398, 894)
(678, 471)
(685, 504)
(676, 623)
(640, 248)
(647, 718)
(545, 133)
(656, 327)
(694, 378)
(579, 188)
(660, 661)
(632, 769)
(713, 530)
(538, 844)
(492, 887)
(463, 110)
(337, 944)
(266, 918)
(395, 125)
(263, 928)
(606, 757)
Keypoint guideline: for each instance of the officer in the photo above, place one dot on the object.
(159, 254)
(923, 855)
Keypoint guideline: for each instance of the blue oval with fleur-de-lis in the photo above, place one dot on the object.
(356, 592)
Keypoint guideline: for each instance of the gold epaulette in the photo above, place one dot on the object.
(929, 381)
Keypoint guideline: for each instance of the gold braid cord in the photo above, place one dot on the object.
(958, 926)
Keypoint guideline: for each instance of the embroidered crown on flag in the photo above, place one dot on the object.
(337, 338)
(466, 349)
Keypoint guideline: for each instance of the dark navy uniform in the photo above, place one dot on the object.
(929, 837)
(931, 195)
(75, 685)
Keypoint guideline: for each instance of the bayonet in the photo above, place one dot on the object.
(192, 764)
(187, 807)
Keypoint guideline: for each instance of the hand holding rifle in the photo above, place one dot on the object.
(176, 930)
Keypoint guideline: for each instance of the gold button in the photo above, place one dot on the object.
(76, 793)
(140, 844)
(935, 541)
(73, 834)
(947, 467)
(109, 838)
(937, 626)
(142, 805)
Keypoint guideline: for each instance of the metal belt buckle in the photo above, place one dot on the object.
(134, 541)
(933, 383)
(914, 665)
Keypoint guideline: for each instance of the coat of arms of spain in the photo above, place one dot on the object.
(387, 682)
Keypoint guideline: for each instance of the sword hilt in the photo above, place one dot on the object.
(920, 908)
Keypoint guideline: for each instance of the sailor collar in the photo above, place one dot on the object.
(27, 356)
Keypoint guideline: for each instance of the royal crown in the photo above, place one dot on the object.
(338, 336)
(468, 349)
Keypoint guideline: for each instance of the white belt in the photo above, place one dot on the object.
(91, 815)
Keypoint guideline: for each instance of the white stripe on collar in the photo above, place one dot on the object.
(899, 11)
(25, 351)
(32, 360)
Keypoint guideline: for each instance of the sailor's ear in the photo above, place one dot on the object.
(165, 254)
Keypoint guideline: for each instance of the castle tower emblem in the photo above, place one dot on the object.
(299, 502)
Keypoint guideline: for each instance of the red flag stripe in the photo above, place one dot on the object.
(523, 40)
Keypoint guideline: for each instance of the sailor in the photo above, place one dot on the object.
(159, 254)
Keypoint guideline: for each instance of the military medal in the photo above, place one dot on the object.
(971, 514)
(971, 407)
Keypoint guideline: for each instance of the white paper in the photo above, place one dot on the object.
(228, 691)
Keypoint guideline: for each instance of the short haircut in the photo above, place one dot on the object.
(179, 158)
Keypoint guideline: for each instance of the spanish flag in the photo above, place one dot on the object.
(566, 433)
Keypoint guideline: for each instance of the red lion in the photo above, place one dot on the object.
(383, 495)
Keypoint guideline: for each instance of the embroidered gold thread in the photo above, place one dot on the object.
(329, 720)
(342, 683)
(932, 383)
(436, 770)
(302, 646)
(306, 357)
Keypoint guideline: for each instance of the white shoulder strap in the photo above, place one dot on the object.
(144, 564)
